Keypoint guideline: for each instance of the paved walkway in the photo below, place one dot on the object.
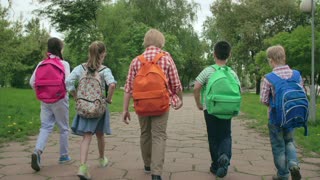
(187, 156)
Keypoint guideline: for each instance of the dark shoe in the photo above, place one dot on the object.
(223, 163)
(213, 170)
(295, 173)
(147, 170)
(35, 161)
(156, 177)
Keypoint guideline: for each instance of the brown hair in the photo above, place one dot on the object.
(55, 46)
(153, 38)
(95, 50)
(277, 54)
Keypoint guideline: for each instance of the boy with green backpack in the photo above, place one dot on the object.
(219, 87)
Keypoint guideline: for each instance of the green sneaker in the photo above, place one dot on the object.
(103, 162)
(83, 172)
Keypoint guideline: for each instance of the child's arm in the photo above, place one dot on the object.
(33, 77)
(196, 93)
(111, 89)
(111, 82)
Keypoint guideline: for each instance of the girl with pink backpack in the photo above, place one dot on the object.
(48, 81)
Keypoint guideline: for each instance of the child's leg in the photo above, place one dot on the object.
(101, 143)
(278, 151)
(47, 125)
(84, 147)
(61, 113)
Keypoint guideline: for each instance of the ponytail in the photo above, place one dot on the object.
(95, 50)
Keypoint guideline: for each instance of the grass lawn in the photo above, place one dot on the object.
(19, 116)
(253, 109)
(20, 113)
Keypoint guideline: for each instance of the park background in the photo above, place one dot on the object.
(249, 25)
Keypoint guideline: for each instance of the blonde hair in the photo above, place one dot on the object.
(153, 38)
(277, 54)
(95, 50)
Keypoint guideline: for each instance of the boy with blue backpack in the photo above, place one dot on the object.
(282, 91)
(220, 100)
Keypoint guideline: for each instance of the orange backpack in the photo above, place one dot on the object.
(150, 93)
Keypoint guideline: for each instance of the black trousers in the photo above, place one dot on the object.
(219, 137)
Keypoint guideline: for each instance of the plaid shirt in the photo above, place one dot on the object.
(282, 71)
(167, 65)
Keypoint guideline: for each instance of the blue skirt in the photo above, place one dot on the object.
(82, 125)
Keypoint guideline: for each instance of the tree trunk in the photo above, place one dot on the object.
(258, 81)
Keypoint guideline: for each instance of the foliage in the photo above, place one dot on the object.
(298, 45)
(22, 47)
(122, 25)
(246, 23)
(78, 20)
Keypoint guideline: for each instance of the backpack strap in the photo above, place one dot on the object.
(157, 58)
(216, 67)
(295, 76)
(102, 68)
(84, 68)
(143, 60)
(273, 78)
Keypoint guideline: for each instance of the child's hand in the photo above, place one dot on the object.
(177, 105)
(109, 101)
(200, 106)
(126, 117)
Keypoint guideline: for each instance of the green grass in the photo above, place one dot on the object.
(20, 113)
(258, 119)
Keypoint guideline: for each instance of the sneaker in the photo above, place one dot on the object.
(156, 177)
(64, 159)
(213, 170)
(83, 172)
(35, 161)
(103, 162)
(295, 173)
(147, 169)
(223, 163)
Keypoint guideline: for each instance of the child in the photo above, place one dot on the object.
(52, 113)
(218, 127)
(153, 124)
(84, 126)
(282, 140)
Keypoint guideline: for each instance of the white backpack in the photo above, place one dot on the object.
(90, 97)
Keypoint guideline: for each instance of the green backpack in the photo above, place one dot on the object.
(223, 95)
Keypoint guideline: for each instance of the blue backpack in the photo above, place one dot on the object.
(289, 106)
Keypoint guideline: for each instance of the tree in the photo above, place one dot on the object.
(32, 48)
(78, 20)
(246, 23)
(297, 45)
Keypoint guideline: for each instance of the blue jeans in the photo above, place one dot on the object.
(283, 150)
(219, 137)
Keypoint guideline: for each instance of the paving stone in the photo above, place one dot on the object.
(312, 160)
(24, 177)
(16, 169)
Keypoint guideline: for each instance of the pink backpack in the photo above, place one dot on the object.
(50, 80)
